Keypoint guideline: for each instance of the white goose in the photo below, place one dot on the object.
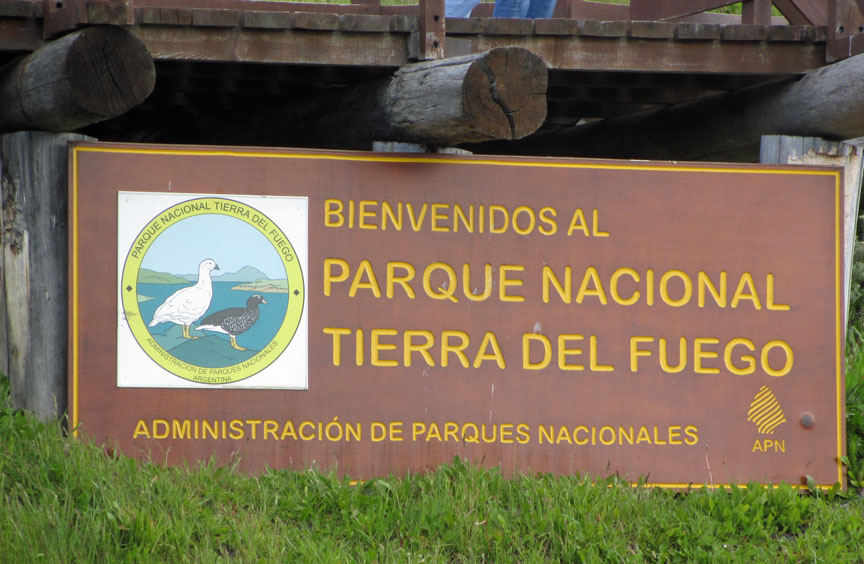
(188, 304)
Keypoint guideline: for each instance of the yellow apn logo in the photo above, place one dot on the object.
(765, 411)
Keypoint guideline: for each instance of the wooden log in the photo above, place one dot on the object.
(499, 94)
(824, 103)
(33, 328)
(82, 78)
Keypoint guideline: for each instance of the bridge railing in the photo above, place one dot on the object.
(843, 19)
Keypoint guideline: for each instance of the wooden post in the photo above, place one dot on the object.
(431, 34)
(33, 326)
(845, 30)
(785, 149)
(756, 12)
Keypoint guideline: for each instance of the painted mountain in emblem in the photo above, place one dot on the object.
(146, 276)
(245, 274)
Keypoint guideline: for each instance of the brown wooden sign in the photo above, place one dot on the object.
(384, 313)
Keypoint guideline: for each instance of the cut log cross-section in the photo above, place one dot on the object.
(82, 78)
(498, 94)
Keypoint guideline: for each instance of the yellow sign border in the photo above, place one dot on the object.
(647, 167)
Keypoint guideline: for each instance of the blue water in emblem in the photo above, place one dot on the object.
(213, 348)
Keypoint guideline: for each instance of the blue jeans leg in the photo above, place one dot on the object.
(541, 9)
(459, 8)
(510, 8)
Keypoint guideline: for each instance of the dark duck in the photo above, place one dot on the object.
(234, 320)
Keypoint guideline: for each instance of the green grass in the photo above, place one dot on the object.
(65, 500)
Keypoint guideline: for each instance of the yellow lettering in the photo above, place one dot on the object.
(746, 291)
(141, 429)
(333, 207)
(664, 288)
(458, 350)
(563, 352)
(337, 333)
(371, 283)
(423, 348)
(692, 433)
(699, 355)
(595, 224)
(682, 356)
(329, 277)
(564, 292)
(613, 286)
(592, 357)
(163, 434)
(547, 219)
(532, 220)
(750, 367)
(489, 341)
(591, 276)
(493, 228)
(467, 220)
(635, 352)
(395, 217)
(769, 299)
(577, 222)
(504, 282)
(236, 427)
(403, 281)
(705, 284)
(466, 283)
(377, 347)
(576, 431)
(527, 338)
(416, 221)
(787, 366)
(364, 214)
(437, 217)
(444, 292)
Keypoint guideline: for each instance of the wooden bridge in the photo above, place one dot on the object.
(224, 62)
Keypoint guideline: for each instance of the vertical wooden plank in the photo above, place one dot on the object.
(756, 12)
(769, 149)
(4, 338)
(61, 17)
(785, 149)
(34, 257)
(431, 34)
(845, 28)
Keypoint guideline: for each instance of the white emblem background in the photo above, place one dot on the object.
(135, 210)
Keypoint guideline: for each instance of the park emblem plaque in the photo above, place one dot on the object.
(159, 305)
(380, 313)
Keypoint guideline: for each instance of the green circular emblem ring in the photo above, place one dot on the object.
(194, 328)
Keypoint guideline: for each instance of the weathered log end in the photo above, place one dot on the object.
(504, 93)
(497, 94)
(82, 78)
(113, 71)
